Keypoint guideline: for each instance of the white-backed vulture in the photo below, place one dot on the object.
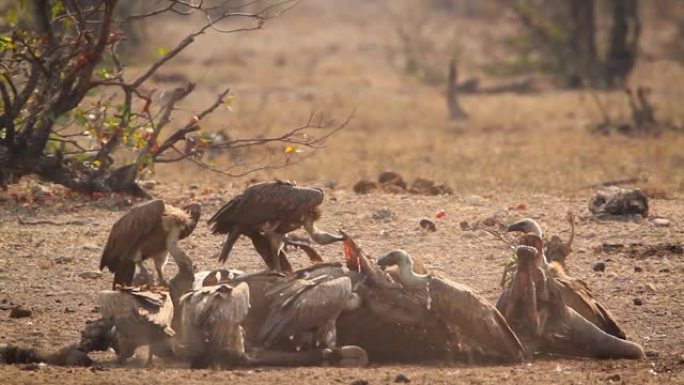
(535, 309)
(140, 317)
(266, 212)
(574, 291)
(555, 250)
(476, 327)
(211, 320)
(149, 230)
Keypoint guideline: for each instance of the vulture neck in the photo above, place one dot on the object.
(408, 277)
(318, 236)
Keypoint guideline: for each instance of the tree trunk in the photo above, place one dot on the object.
(455, 110)
(624, 42)
(582, 42)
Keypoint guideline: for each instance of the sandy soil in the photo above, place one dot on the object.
(41, 266)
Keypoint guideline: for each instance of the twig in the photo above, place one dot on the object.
(29, 222)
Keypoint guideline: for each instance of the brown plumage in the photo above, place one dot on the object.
(212, 318)
(534, 306)
(476, 328)
(307, 309)
(149, 230)
(575, 292)
(265, 212)
(140, 317)
(556, 250)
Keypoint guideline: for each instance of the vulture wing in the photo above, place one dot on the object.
(128, 231)
(138, 307)
(305, 306)
(476, 325)
(577, 295)
(265, 202)
(214, 312)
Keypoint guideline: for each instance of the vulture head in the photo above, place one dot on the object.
(526, 225)
(407, 277)
(195, 211)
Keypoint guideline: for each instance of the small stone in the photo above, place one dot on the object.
(90, 247)
(383, 215)
(473, 200)
(638, 269)
(661, 222)
(428, 225)
(69, 310)
(20, 312)
(638, 301)
(614, 378)
(402, 378)
(652, 353)
(599, 266)
(465, 226)
(91, 274)
(149, 184)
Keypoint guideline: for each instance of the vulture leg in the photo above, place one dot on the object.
(146, 274)
(319, 236)
(159, 262)
(263, 247)
(124, 274)
(277, 245)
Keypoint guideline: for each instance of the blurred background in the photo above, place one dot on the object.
(484, 95)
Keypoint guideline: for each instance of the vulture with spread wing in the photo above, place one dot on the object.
(211, 320)
(140, 317)
(574, 291)
(534, 306)
(266, 212)
(149, 230)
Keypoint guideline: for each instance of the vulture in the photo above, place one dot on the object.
(574, 291)
(149, 230)
(306, 308)
(536, 310)
(140, 317)
(421, 317)
(555, 250)
(266, 212)
(211, 320)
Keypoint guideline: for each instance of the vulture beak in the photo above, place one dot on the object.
(392, 258)
(526, 225)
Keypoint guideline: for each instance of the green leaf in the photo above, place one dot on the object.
(57, 9)
(105, 73)
(12, 16)
(162, 51)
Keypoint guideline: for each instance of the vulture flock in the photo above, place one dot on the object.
(345, 313)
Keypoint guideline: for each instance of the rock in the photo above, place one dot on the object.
(402, 378)
(652, 354)
(618, 201)
(91, 274)
(383, 215)
(614, 378)
(638, 269)
(391, 178)
(661, 222)
(149, 184)
(20, 312)
(599, 266)
(638, 301)
(428, 225)
(473, 200)
(90, 247)
(365, 187)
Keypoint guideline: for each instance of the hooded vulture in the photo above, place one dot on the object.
(574, 291)
(421, 317)
(140, 317)
(211, 320)
(535, 308)
(266, 212)
(149, 230)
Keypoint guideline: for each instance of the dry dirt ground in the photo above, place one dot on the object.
(41, 267)
(335, 57)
